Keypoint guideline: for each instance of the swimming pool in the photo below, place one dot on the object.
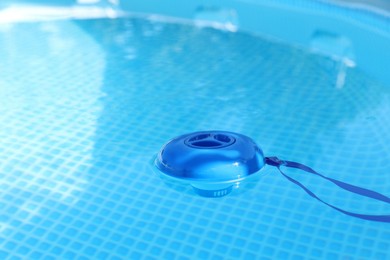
(87, 103)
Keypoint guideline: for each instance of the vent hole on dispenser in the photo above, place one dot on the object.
(223, 138)
(206, 144)
(199, 137)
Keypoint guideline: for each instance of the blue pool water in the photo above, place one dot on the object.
(86, 105)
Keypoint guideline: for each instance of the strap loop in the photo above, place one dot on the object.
(274, 161)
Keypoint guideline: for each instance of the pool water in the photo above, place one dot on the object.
(86, 105)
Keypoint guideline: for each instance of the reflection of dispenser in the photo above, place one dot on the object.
(337, 47)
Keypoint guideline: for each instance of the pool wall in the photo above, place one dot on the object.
(360, 36)
(348, 33)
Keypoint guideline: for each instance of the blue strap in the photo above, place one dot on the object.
(274, 161)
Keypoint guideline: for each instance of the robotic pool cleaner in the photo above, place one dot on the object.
(214, 162)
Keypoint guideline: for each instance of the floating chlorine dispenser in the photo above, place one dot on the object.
(211, 162)
(215, 162)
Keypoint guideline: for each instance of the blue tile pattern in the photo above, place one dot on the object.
(86, 104)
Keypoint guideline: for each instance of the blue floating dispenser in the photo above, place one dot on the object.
(212, 162)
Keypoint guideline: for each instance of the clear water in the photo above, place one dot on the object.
(85, 105)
